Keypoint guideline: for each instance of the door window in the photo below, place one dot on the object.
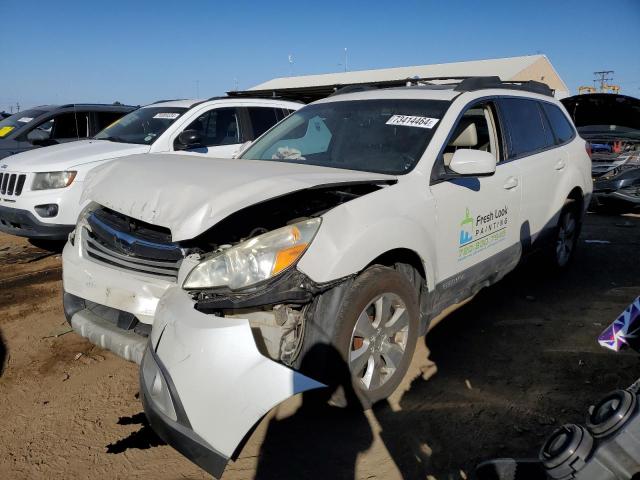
(527, 132)
(104, 119)
(476, 130)
(70, 125)
(217, 127)
(562, 129)
(262, 119)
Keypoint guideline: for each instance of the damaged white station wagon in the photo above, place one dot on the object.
(330, 244)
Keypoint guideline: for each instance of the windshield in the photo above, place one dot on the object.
(142, 126)
(382, 136)
(18, 120)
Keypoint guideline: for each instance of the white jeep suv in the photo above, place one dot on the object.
(326, 248)
(40, 189)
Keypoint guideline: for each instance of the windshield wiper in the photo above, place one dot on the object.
(111, 139)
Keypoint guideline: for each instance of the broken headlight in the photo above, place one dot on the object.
(255, 260)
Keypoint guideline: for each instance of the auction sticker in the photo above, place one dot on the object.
(412, 121)
(167, 116)
(25, 119)
(4, 131)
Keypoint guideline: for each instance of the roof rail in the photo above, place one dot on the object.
(168, 100)
(69, 105)
(457, 83)
(471, 84)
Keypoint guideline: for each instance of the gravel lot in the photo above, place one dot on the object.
(492, 379)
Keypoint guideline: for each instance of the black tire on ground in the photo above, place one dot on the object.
(565, 238)
(328, 341)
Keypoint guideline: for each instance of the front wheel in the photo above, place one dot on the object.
(375, 334)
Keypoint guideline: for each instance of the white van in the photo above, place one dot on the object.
(40, 189)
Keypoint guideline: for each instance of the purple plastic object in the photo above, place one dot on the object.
(624, 331)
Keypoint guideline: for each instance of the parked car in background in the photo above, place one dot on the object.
(53, 124)
(4, 115)
(611, 125)
(40, 190)
(326, 248)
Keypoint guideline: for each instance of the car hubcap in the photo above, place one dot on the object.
(379, 341)
(566, 237)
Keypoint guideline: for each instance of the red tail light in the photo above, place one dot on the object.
(587, 147)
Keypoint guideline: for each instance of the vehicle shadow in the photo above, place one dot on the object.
(52, 246)
(140, 439)
(522, 358)
(318, 441)
(513, 364)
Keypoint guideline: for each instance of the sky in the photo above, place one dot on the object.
(137, 52)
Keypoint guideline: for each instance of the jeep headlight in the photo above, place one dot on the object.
(254, 260)
(51, 180)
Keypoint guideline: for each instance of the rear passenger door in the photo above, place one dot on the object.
(532, 145)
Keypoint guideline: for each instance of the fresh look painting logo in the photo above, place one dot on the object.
(482, 232)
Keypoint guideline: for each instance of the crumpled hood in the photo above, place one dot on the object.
(68, 155)
(190, 194)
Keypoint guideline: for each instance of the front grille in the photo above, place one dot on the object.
(12, 183)
(129, 248)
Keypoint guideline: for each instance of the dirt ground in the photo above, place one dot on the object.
(490, 380)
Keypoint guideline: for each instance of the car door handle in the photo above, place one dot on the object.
(560, 164)
(512, 182)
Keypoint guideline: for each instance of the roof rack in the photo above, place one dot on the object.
(459, 84)
(69, 105)
(168, 100)
(471, 84)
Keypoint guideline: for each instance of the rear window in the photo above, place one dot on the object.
(562, 129)
(527, 131)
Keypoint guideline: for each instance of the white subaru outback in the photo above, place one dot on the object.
(40, 189)
(326, 248)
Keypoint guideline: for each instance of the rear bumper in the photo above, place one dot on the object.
(24, 224)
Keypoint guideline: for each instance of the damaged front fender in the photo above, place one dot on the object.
(206, 384)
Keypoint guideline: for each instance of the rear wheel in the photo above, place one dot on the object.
(566, 236)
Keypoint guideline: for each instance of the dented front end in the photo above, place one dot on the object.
(205, 383)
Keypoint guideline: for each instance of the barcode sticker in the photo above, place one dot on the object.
(167, 116)
(412, 121)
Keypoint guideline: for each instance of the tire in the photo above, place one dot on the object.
(566, 233)
(371, 354)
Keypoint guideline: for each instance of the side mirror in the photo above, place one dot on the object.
(37, 136)
(473, 163)
(189, 139)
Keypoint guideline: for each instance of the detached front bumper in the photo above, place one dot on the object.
(205, 384)
(24, 224)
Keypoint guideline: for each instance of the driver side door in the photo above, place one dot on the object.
(478, 231)
(220, 131)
